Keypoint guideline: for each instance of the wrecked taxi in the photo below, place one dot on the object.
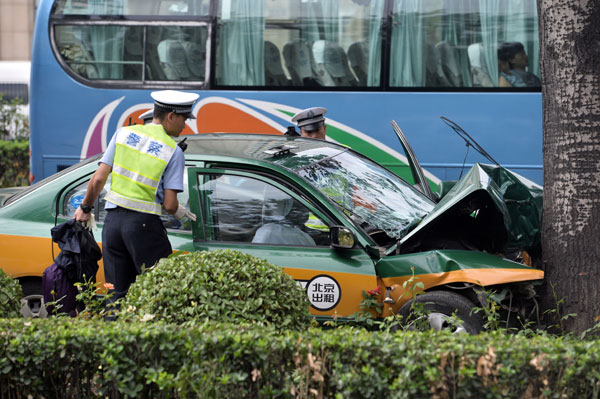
(334, 220)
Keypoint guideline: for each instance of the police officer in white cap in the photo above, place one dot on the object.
(311, 122)
(146, 168)
(147, 116)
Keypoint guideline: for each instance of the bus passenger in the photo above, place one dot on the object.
(513, 59)
(311, 122)
(146, 170)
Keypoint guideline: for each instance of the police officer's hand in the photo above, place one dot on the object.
(81, 216)
(182, 212)
(87, 220)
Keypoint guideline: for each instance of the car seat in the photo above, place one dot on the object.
(279, 226)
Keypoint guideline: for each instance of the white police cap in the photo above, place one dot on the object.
(147, 115)
(175, 101)
(310, 119)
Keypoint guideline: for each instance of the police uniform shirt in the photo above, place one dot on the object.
(170, 180)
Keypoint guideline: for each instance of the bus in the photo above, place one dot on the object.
(255, 63)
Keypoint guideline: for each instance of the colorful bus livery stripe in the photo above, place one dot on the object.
(253, 116)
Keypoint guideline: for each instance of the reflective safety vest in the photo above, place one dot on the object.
(315, 223)
(141, 155)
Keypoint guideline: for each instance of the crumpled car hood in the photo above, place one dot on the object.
(508, 205)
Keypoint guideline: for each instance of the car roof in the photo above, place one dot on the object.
(260, 147)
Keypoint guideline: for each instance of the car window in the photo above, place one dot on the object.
(247, 210)
(372, 196)
(74, 196)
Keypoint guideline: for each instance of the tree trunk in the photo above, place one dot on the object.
(570, 63)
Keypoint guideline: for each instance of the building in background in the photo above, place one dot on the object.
(16, 29)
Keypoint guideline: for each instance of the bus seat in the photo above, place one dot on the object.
(332, 64)
(172, 57)
(195, 56)
(435, 76)
(480, 76)
(299, 63)
(358, 55)
(449, 61)
(75, 53)
(133, 42)
(154, 70)
(324, 76)
(274, 74)
(134, 49)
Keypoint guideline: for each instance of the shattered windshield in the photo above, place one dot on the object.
(372, 196)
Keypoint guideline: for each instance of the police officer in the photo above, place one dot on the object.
(311, 122)
(146, 172)
(147, 116)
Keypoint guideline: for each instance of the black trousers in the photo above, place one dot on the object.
(131, 240)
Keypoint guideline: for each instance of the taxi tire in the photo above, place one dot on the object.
(32, 303)
(440, 306)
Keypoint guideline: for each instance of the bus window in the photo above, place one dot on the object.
(299, 43)
(134, 51)
(133, 7)
(439, 43)
(117, 52)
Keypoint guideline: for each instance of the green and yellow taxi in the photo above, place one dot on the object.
(334, 220)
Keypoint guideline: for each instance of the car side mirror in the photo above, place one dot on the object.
(341, 237)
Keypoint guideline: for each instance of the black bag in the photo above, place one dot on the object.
(76, 262)
(79, 253)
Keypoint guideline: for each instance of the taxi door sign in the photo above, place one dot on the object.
(324, 292)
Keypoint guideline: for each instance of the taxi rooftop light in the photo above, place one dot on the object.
(280, 150)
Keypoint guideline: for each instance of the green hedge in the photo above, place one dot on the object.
(14, 168)
(224, 285)
(10, 295)
(85, 358)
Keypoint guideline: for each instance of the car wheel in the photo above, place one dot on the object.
(441, 310)
(32, 303)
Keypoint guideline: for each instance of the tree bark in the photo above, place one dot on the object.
(570, 64)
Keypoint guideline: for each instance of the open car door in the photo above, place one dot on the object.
(421, 182)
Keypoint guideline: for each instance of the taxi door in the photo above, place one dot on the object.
(271, 219)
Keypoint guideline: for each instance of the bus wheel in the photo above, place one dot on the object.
(441, 310)
(32, 303)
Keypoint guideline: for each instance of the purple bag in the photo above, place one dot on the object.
(58, 289)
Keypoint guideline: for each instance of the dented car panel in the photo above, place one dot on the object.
(442, 267)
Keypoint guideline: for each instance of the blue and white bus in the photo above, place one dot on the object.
(257, 62)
